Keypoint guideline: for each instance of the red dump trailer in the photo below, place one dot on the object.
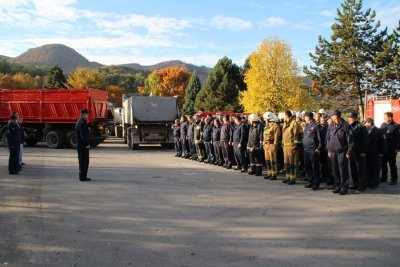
(50, 115)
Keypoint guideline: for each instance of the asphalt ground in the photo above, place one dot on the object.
(147, 208)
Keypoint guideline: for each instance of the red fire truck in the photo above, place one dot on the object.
(378, 105)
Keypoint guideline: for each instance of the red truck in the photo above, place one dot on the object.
(378, 105)
(50, 115)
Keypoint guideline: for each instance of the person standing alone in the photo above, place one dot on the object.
(83, 145)
(13, 145)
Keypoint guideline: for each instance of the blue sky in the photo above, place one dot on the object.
(150, 31)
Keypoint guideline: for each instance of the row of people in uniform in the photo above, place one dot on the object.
(326, 148)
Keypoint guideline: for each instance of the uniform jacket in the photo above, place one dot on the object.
(176, 131)
(82, 134)
(339, 138)
(311, 137)
(216, 134)
(198, 132)
(360, 136)
(12, 135)
(376, 142)
(392, 134)
(190, 133)
(272, 133)
(323, 131)
(184, 129)
(226, 132)
(291, 133)
(255, 137)
(240, 134)
(207, 132)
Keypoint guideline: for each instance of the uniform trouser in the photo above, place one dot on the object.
(200, 150)
(340, 170)
(209, 151)
(21, 150)
(326, 170)
(280, 158)
(192, 147)
(311, 165)
(13, 160)
(289, 158)
(390, 158)
(270, 155)
(358, 170)
(178, 146)
(256, 158)
(225, 153)
(218, 152)
(240, 156)
(185, 146)
(373, 169)
(83, 158)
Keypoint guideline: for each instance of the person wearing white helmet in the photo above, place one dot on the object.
(321, 112)
(254, 145)
(272, 133)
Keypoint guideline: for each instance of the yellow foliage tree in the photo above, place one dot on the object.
(83, 78)
(273, 80)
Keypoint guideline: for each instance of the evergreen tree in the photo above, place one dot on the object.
(191, 92)
(221, 89)
(56, 78)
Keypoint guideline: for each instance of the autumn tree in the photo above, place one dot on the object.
(273, 80)
(221, 89)
(55, 78)
(191, 92)
(83, 78)
(115, 94)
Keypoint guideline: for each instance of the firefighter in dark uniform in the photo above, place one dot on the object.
(190, 137)
(198, 138)
(216, 137)
(83, 145)
(13, 140)
(177, 138)
(226, 133)
(184, 141)
(254, 145)
(239, 144)
(312, 145)
(391, 131)
(358, 159)
(339, 141)
(376, 150)
(272, 135)
(325, 163)
(207, 140)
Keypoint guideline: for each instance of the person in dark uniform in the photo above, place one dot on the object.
(13, 139)
(177, 138)
(254, 145)
(376, 150)
(190, 137)
(83, 145)
(358, 159)
(339, 143)
(198, 138)
(184, 141)
(216, 140)
(391, 131)
(239, 144)
(312, 145)
(226, 133)
(325, 163)
(207, 140)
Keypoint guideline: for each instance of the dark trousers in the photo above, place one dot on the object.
(256, 161)
(240, 157)
(209, 151)
(83, 158)
(226, 153)
(373, 169)
(358, 170)
(192, 147)
(311, 165)
(178, 146)
(218, 152)
(185, 146)
(340, 169)
(200, 149)
(390, 158)
(326, 169)
(13, 160)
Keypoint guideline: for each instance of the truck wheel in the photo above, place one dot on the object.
(31, 141)
(55, 139)
(4, 139)
(71, 139)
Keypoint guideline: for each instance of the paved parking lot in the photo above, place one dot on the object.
(147, 208)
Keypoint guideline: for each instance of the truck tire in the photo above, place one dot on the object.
(71, 139)
(55, 139)
(31, 141)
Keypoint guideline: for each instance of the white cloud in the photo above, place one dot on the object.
(389, 16)
(273, 22)
(328, 13)
(231, 23)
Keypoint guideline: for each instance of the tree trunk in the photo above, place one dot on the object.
(360, 101)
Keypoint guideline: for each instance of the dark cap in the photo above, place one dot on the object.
(308, 114)
(352, 114)
(369, 120)
(336, 112)
(84, 111)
